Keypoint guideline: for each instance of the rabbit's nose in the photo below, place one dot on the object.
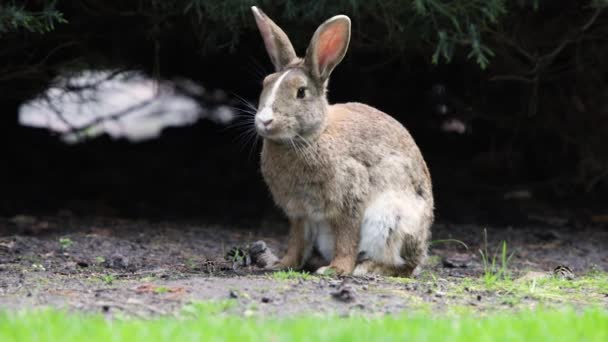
(266, 122)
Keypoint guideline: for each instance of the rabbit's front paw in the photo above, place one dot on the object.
(337, 267)
(285, 263)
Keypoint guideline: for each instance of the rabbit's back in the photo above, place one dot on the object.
(381, 144)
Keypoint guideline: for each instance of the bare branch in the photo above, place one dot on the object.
(115, 116)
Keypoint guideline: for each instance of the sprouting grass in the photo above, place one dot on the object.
(65, 243)
(204, 322)
(291, 275)
(495, 266)
(107, 279)
(161, 289)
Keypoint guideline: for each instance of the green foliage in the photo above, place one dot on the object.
(447, 27)
(395, 24)
(399, 25)
(461, 23)
(15, 17)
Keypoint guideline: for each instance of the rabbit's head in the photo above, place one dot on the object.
(293, 103)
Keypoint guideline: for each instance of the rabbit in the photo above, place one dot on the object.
(350, 178)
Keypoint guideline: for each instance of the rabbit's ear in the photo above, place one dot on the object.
(328, 46)
(279, 47)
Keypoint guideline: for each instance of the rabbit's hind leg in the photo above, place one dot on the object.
(393, 235)
(412, 254)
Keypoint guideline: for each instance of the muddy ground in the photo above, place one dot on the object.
(142, 268)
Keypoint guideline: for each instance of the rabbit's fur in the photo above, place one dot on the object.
(350, 178)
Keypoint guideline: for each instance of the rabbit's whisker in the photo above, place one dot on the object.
(245, 102)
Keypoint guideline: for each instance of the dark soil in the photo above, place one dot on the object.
(143, 268)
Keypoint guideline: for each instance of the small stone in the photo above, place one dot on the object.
(335, 283)
(257, 247)
(117, 261)
(261, 256)
(70, 265)
(266, 300)
(344, 293)
(478, 298)
(457, 260)
(563, 272)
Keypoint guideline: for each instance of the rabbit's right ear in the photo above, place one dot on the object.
(328, 46)
(278, 46)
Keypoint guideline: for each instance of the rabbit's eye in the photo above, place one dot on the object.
(301, 92)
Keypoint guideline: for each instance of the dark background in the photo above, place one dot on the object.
(536, 115)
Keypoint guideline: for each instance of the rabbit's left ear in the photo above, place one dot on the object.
(277, 43)
(328, 46)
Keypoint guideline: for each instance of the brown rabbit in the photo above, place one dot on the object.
(349, 177)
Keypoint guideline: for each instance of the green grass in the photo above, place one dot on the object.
(211, 321)
(65, 243)
(495, 266)
(161, 289)
(107, 279)
(291, 275)
(585, 289)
